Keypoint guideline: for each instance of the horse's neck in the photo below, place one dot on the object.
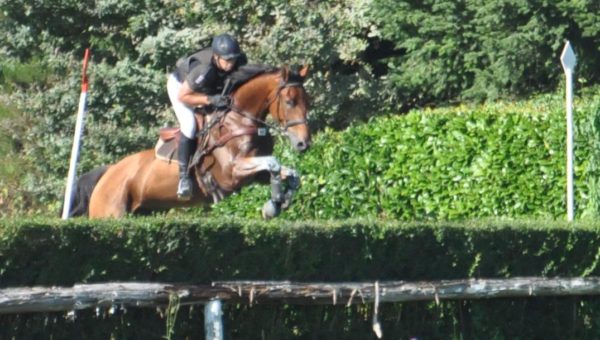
(252, 97)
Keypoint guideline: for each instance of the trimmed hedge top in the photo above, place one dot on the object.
(37, 252)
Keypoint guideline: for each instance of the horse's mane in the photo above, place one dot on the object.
(246, 72)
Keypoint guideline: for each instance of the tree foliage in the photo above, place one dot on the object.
(367, 57)
(485, 49)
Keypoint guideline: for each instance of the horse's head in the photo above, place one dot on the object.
(281, 93)
(289, 105)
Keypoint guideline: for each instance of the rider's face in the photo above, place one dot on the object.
(224, 64)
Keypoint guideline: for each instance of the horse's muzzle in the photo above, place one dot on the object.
(302, 146)
(299, 143)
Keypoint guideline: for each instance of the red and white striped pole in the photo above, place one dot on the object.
(77, 139)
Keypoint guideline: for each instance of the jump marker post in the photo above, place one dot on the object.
(569, 61)
(77, 138)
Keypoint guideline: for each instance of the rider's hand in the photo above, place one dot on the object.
(217, 100)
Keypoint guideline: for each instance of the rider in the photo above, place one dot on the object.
(198, 82)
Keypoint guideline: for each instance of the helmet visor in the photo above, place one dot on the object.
(229, 56)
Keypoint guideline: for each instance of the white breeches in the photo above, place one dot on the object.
(183, 112)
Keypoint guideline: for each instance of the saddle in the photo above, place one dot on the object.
(168, 139)
(166, 146)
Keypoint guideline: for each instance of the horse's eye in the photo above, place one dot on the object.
(290, 103)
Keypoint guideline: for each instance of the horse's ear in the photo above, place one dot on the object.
(303, 71)
(285, 73)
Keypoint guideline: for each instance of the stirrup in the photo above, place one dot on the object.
(184, 189)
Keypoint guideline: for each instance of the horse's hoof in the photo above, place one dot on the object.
(270, 209)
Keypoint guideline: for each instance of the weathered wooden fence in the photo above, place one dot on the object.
(136, 294)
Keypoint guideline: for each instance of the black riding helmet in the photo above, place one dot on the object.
(226, 47)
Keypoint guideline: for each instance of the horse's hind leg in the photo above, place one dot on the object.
(83, 191)
(109, 200)
(103, 205)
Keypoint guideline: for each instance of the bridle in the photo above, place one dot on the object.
(286, 123)
(260, 123)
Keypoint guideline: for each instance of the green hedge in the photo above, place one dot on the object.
(37, 252)
(505, 159)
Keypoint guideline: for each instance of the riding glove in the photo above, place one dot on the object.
(218, 100)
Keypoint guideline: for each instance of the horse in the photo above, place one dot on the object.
(82, 191)
(233, 149)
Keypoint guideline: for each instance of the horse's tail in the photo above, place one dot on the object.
(82, 191)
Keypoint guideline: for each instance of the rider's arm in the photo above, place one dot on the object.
(190, 97)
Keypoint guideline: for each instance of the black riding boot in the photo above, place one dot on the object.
(185, 150)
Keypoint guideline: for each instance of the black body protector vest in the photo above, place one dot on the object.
(202, 74)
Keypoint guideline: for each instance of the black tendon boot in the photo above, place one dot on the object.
(184, 152)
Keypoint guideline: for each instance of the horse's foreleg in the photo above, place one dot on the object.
(292, 178)
(280, 198)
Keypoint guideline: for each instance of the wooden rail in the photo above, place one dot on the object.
(135, 294)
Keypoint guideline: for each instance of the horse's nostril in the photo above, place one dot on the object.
(301, 146)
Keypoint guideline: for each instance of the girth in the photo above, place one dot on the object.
(229, 136)
(200, 153)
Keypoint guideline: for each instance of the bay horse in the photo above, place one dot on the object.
(232, 153)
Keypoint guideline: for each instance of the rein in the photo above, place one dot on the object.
(246, 130)
(242, 131)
